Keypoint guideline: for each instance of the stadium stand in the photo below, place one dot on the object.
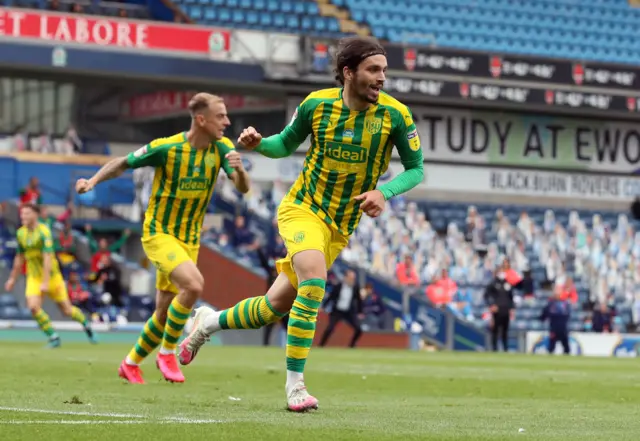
(591, 30)
(599, 30)
(129, 9)
(598, 251)
(586, 30)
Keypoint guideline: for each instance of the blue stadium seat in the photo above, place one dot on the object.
(293, 22)
(8, 300)
(273, 5)
(195, 12)
(210, 14)
(590, 29)
(238, 16)
(298, 7)
(224, 15)
(10, 312)
(265, 20)
(279, 20)
(253, 18)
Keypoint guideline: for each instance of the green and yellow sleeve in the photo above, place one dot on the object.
(407, 141)
(294, 134)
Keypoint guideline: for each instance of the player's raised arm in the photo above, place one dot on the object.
(284, 143)
(232, 165)
(153, 154)
(407, 142)
(110, 170)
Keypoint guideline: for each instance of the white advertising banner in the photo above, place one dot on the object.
(531, 183)
(484, 180)
(545, 142)
(587, 343)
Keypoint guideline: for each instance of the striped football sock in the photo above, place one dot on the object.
(42, 318)
(302, 323)
(252, 313)
(177, 317)
(149, 339)
(78, 316)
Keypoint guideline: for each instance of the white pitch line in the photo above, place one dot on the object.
(72, 422)
(71, 412)
(140, 419)
(121, 422)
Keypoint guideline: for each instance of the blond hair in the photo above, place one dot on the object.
(201, 101)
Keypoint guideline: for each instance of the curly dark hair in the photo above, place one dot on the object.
(352, 51)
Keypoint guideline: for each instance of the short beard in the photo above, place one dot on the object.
(365, 96)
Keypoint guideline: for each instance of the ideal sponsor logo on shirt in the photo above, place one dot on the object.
(348, 153)
(193, 184)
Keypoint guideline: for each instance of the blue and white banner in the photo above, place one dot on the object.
(588, 344)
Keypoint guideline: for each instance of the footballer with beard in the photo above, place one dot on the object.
(353, 130)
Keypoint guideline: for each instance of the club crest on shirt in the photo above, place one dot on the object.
(373, 125)
(171, 256)
(298, 237)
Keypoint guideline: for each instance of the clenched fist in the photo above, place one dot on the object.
(371, 202)
(249, 138)
(83, 186)
(235, 160)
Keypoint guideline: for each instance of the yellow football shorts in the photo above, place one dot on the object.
(57, 288)
(303, 230)
(166, 253)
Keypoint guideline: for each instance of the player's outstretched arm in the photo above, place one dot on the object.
(239, 176)
(110, 170)
(272, 147)
(284, 143)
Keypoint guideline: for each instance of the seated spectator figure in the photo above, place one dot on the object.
(65, 246)
(79, 294)
(242, 237)
(109, 284)
(568, 291)
(31, 193)
(461, 304)
(101, 247)
(510, 275)
(441, 291)
(373, 308)
(50, 220)
(406, 272)
(602, 319)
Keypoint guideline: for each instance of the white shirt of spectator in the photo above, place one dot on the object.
(344, 298)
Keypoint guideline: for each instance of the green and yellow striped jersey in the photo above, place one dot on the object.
(182, 184)
(349, 152)
(33, 244)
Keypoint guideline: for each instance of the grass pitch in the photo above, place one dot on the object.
(237, 393)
